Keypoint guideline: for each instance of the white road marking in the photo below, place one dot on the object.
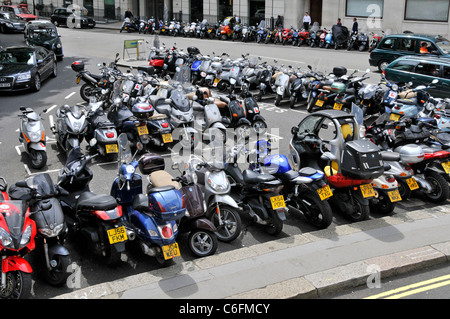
(69, 96)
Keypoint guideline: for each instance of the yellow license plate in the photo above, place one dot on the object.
(170, 251)
(394, 196)
(338, 106)
(117, 235)
(412, 183)
(163, 30)
(367, 190)
(142, 130)
(111, 148)
(446, 167)
(325, 192)
(78, 80)
(319, 102)
(167, 138)
(394, 117)
(277, 202)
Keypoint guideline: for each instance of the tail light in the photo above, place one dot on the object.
(390, 179)
(110, 135)
(166, 232)
(165, 125)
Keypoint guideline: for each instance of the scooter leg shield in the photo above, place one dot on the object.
(16, 263)
(37, 146)
(57, 250)
(225, 199)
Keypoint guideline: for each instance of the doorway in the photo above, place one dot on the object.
(315, 11)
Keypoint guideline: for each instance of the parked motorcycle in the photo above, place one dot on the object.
(17, 233)
(40, 195)
(32, 136)
(95, 219)
(70, 127)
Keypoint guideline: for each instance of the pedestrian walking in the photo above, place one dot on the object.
(355, 26)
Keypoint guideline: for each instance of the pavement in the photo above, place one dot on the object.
(310, 265)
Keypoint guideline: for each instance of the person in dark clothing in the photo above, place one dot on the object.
(279, 23)
(128, 14)
(355, 26)
(339, 21)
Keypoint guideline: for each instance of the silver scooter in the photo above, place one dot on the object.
(32, 136)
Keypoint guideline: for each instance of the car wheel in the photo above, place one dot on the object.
(382, 65)
(55, 70)
(37, 83)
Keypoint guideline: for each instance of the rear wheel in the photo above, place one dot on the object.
(317, 212)
(86, 91)
(441, 191)
(384, 205)
(202, 242)
(275, 225)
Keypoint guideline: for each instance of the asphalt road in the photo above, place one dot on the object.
(97, 46)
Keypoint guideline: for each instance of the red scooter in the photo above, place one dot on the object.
(376, 38)
(17, 233)
(322, 38)
(303, 37)
(286, 35)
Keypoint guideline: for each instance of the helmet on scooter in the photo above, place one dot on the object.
(193, 50)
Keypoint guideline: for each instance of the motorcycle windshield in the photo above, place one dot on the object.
(13, 213)
(75, 155)
(282, 80)
(205, 66)
(125, 156)
(180, 100)
(43, 184)
(77, 111)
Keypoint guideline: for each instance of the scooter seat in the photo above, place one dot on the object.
(160, 189)
(253, 177)
(91, 201)
(406, 101)
(307, 171)
(390, 156)
(162, 178)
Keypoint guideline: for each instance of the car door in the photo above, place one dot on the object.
(45, 63)
(425, 73)
(444, 82)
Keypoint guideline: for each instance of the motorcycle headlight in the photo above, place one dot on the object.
(130, 169)
(5, 238)
(22, 77)
(217, 187)
(58, 45)
(26, 236)
(51, 232)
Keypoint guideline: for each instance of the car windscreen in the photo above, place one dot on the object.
(47, 33)
(17, 57)
(444, 45)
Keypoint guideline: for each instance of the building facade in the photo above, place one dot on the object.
(393, 16)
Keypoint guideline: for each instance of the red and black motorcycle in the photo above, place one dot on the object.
(17, 233)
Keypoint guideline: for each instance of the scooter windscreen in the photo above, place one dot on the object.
(180, 100)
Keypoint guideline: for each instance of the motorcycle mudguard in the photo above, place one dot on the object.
(37, 146)
(219, 125)
(72, 142)
(222, 199)
(57, 250)
(16, 263)
(244, 121)
(258, 117)
(200, 223)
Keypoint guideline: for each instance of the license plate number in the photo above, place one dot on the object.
(324, 192)
(111, 148)
(216, 81)
(394, 196)
(319, 102)
(412, 183)
(338, 106)
(446, 167)
(5, 85)
(277, 202)
(394, 117)
(142, 130)
(167, 138)
(117, 235)
(367, 190)
(170, 251)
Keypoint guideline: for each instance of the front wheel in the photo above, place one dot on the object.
(292, 101)
(57, 276)
(18, 286)
(202, 242)
(38, 159)
(278, 100)
(227, 221)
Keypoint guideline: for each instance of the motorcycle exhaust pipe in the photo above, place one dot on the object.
(131, 234)
(52, 124)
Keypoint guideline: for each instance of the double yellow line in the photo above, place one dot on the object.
(414, 288)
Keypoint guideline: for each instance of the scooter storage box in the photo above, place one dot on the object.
(410, 154)
(149, 163)
(338, 87)
(142, 110)
(78, 66)
(166, 203)
(361, 159)
(339, 70)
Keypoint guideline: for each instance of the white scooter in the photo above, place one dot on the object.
(32, 136)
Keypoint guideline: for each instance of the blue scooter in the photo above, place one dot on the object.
(153, 216)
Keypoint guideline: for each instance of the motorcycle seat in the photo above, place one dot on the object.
(162, 178)
(91, 201)
(307, 171)
(289, 175)
(253, 177)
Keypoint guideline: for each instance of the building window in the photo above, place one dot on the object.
(364, 8)
(420, 10)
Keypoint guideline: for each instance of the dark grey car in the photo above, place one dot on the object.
(9, 22)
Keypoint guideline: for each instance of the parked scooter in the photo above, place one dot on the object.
(17, 233)
(282, 84)
(153, 216)
(70, 127)
(40, 195)
(32, 136)
(96, 219)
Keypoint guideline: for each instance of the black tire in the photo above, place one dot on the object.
(292, 101)
(85, 91)
(260, 127)
(163, 262)
(38, 159)
(361, 212)
(37, 83)
(317, 212)
(276, 224)
(384, 205)
(202, 242)
(18, 286)
(382, 65)
(242, 131)
(278, 100)
(55, 70)
(310, 104)
(403, 189)
(230, 226)
(58, 275)
(441, 189)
